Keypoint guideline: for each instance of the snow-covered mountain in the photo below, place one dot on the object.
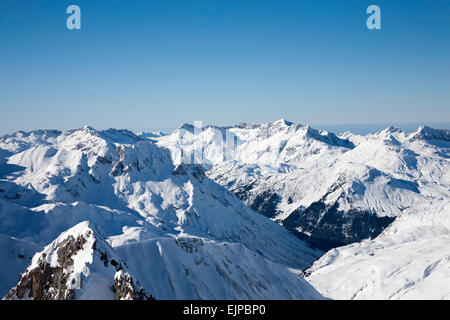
(138, 199)
(392, 187)
(182, 223)
(79, 264)
(327, 189)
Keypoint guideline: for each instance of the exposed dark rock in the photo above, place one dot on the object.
(179, 171)
(243, 192)
(115, 264)
(124, 288)
(266, 204)
(104, 160)
(198, 172)
(189, 245)
(326, 227)
(94, 179)
(117, 169)
(42, 283)
(194, 169)
(67, 249)
(118, 166)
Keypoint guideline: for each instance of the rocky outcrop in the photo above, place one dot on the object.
(70, 268)
(125, 288)
(42, 283)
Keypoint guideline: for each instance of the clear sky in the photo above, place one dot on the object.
(158, 64)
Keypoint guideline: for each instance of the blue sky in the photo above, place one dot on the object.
(158, 64)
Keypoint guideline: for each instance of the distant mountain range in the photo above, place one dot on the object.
(252, 211)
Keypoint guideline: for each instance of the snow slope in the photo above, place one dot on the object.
(16, 255)
(197, 268)
(409, 260)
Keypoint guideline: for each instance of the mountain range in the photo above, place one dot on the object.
(197, 239)
(272, 211)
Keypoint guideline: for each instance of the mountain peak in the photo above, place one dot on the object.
(392, 129)
(71, 266)
(427, 133)
(282, 122)
(88, 129)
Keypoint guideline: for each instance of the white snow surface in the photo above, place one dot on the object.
(413, 263)
(198, 268)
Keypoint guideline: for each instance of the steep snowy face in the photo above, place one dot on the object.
(440, 137)
(15, 256)
(79, 264)
(326, 189)
(409, 260)
(198, 268)
(131, 190)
